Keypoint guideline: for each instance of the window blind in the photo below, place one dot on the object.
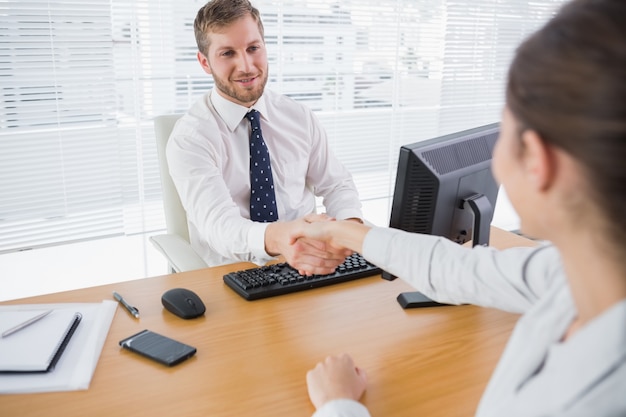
(81, 81)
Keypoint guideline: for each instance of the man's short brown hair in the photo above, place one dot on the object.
(218, 14)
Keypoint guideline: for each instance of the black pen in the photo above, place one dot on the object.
(132, 310)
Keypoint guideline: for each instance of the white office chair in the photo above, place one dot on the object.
(175, 244)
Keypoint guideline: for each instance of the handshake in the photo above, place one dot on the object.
(315, 244)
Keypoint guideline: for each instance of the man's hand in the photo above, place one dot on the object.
(335, 378)
(309, 256)
(337, 236)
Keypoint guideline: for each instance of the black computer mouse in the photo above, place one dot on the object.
(183, 302)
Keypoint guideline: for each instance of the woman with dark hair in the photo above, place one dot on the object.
(561, 157)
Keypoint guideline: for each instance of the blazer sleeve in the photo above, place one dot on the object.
(511, 280)
(342, 408)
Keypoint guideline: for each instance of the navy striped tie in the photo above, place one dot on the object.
(262, 197)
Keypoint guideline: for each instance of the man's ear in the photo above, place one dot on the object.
(204, 62)
(538, 159)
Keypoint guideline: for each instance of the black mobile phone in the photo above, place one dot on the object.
(158, 347)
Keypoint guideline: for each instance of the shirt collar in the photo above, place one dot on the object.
(233, 113)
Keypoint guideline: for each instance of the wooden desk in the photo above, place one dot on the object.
(253, 356)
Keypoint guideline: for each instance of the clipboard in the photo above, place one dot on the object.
(38, 347)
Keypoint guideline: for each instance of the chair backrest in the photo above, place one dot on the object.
(175, 215)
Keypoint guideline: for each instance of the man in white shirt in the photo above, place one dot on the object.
(208, 152)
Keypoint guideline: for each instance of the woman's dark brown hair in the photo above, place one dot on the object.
(217, 14)
(568, 83)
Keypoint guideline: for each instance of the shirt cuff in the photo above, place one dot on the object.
(256, 243)
(342, 408)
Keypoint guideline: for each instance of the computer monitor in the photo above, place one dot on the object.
(445, 187)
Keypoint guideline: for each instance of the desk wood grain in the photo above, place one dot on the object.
(253, 356)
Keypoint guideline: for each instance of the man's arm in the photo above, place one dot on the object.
(195, 168)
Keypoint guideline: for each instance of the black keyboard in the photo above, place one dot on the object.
(279, 279)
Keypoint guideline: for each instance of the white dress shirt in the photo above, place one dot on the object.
(208, 156)
(538, 374)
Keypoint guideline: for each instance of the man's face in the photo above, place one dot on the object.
(237, 60)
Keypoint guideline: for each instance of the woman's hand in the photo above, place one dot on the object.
(335, 378)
